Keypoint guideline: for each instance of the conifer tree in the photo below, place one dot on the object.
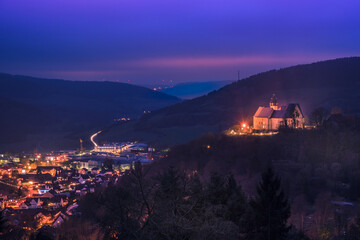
(216, 190)
(236, 203)
(2, 222)
(270, 208)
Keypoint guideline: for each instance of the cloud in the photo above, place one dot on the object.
(217, 61)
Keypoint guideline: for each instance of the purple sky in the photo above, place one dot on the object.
(147, 41)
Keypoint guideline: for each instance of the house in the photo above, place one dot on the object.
(95, 171)
(272, 117)
(43, 218)
(56, 202)
(83, 171)
(72, 209)
(30, 203)
(59, 218)
(52, 170)
(88, 164)
(50, 194)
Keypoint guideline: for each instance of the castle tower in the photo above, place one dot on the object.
(274, 102)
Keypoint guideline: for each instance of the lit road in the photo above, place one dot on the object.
(11, 185)
(92, 138)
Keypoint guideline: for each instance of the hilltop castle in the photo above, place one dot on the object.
(272, 117)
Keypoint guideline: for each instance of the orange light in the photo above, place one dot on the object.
(244, 125)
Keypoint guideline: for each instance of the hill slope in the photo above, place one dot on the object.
(191, 90)
(37, 106)
(328, 83)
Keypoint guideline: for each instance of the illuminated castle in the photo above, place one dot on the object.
(272, 117)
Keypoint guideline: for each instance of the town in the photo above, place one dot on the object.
(43, 189)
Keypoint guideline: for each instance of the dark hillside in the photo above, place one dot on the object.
(328, 84)
(52, 107)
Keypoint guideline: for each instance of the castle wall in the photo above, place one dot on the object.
(276, 123)
(261, 123)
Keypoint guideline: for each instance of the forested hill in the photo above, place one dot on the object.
(328, 84)
(33, 106)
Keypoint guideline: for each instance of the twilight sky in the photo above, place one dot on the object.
(147, 41)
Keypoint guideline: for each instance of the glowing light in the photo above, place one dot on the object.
(244, 125)
(92, 138)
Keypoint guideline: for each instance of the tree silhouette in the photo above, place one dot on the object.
(318, 116)
(108, 165)
(236, 203)
(3, 222)
(270, 208)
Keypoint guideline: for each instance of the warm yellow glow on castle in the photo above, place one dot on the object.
(272, 117)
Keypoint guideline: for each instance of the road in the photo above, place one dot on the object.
(92, 138)
(11, 185)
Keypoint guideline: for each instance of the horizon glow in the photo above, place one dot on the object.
(145, 42)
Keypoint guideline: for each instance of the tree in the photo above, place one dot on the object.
(236, 202)
(108, 165)
(216, 191)
(354, 230)
(324, 210)
(3, 222)
(318, 116)
(19, 192)
(79, 229)
(170, 219)
(270, 208)
(44, 233)
(295, 234)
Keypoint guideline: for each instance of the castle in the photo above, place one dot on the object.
(272, 117)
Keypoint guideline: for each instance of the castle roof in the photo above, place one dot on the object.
(291, 108)
(284, 112)
(279, 113)
(264, 112)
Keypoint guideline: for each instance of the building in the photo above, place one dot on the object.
(272, 117)
(113, 147)
(89, 164)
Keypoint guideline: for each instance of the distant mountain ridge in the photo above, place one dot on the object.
(191, 90)
(327, 83)
(36, 106)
